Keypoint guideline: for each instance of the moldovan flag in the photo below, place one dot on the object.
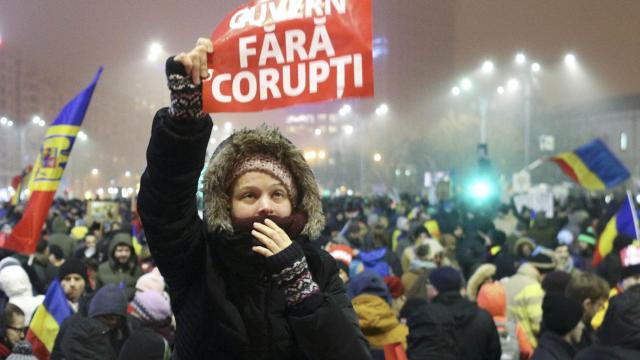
(625, 221)
(47, 320)
(593, 166)
(48, 169)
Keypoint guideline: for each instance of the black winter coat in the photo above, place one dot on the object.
(432, 331)
(208, 324)
(553, 347)
(477, 335)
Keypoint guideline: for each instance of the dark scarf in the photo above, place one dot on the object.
(246, 283)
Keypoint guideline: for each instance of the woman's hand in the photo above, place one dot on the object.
(272, 236)
(195, 61)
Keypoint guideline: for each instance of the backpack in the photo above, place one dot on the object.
(508, 340)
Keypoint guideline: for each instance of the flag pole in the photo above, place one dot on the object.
(634, 214)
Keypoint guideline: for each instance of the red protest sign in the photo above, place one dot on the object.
(275, 53)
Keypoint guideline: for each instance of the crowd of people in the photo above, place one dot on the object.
(270, 270)
(440, 280)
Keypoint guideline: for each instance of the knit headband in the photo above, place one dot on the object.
(267, 165)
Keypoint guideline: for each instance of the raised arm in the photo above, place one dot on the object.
(175, 157)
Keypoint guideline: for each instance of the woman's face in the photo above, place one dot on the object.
(256, 194)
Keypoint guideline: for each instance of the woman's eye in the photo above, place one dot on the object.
(279, 194)
(247, 196)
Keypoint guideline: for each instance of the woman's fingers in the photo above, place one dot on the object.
(272, 232)
(268, 242)
(262, 251)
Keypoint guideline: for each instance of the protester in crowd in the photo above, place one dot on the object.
(56, 256)
(99, 336)
(378, 257)
(153, 309)
(477, 335)
(122, 266)
(513, 339)
(562, 328)
(432, 330)
(371, 301)
(500, 256)
(591, 292)
(60, 237)
(619, 335)
(449, 251)
(423, 252)
(610, 268)
(543, 231)
(527, 304)
(42, 268)
(523, 248)
(555, 282)
(13, 328)
(526, 275)
(151, 281)
(144, 344)
(14, 282)
(74, 282)
(343, 255)
(88, 250)
(259, 195)
(484, 274)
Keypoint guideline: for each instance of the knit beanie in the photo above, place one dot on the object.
(152, 280)
(22, 351)
(368, 282)
(394, 284)
(446, 279)
(152, 306)
(109, 300)
(560, 314)
(73, 266)
(556, 282)
(542, 260)
(268, 165)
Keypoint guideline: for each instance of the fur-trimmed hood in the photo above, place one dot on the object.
(262, 140)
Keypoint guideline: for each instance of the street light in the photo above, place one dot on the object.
(155, 50)
(82, 136)
(10, 123)
(466, 84)
(377, 157)
(535, 67)
(521, 59)
(3, 120)
(382, 109)
(513, 84)
(570, 60)
(127, 173)
(317, 131)
(94, 172)
(487, 67)
(455, 91)
(345, 110)
(348, 129)
(36, 120)
(500, 90)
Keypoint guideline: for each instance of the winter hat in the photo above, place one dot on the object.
(556, 282)
(560, 314)
(342, 253)
(588, 236)
(22, 351)
(446, 279)
(152, 280)
(8, 261)
(395, 286)
(14, 281)
(493, 298)
(152, 306)
(268, 165)
(483, 273)
(565, 237)
(543, 260)
(109, 300)
(73, 266)
(144, 344)
(368, 282)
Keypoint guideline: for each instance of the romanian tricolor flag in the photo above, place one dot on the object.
(48, 169)
(625, 221)
(47, 320)
(593, 166)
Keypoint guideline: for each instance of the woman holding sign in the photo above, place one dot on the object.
(245, 283)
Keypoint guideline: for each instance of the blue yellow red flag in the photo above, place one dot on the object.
(47, 319)
(593, 166)
(48, 170)
(625, 221)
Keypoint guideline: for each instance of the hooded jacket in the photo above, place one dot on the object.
(209, 323)
(476, 332)
(111, 272)
(60, 236)
(432, 331)
(378, 322)
(553, 347)
(15, 283)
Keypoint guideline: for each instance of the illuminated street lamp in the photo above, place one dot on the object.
(94, 172)
(570, 61)
(535, 67)
(127, 173)
(466, 84)
(382, 109)
(521, 58)
(487, 67)
(377, 157)
(36, 119)
(500, 90)
(317, 131)
(455, 91)
(344, 110)
(82, 136)
(155, 50)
